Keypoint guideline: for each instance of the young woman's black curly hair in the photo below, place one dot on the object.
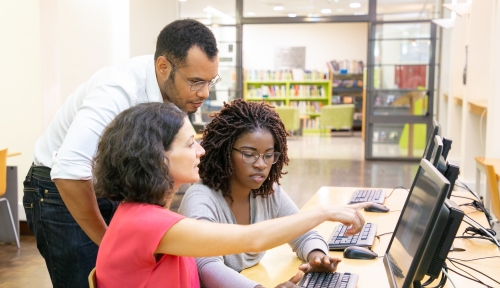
(130, 162)
(233, 121)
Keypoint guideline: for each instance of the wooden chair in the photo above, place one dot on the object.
(492, 180)
(92, 279)
(3, 189)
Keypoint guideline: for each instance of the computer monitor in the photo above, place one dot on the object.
(444, 231)
(437, 148)
(436, 130)
(415, 226)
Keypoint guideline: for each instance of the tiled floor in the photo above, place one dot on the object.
(315, 162)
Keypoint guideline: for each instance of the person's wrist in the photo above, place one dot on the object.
(314, 253)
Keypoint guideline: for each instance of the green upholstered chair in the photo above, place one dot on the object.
(290, 117)
(337, 117)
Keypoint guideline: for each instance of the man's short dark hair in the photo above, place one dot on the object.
(130, 164)
(178, 37)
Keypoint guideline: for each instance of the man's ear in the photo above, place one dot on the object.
(163, 67)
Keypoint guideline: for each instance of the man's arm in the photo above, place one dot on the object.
(80, 199)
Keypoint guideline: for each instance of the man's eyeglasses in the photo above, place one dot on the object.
(251, 157)
(200, 84)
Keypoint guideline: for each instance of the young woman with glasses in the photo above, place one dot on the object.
(143, 156)
(245, 151)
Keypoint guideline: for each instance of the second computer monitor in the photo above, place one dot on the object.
(415, 225)
(437, 148)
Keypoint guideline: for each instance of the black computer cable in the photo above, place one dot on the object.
(395, 189)
(474, 259)
(442, 281)
(477, 203)
(453, 262)
(482, 231)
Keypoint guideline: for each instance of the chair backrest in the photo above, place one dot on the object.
(337, 116)
(289, 116)
(3, 171)
(92, 279)
(492, 179)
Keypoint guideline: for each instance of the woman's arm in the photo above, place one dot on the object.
(195, 238)
(215, 274)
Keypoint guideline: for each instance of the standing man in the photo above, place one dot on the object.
(61, 207)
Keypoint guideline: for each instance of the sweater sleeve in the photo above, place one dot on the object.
(214, 273)
(306, 243)
(199, 203)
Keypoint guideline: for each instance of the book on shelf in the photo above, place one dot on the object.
(347, 99)
(336, 99)
(307, 107)
(285, 75)
(345, 66)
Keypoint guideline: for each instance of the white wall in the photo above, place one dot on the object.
(493, 117)
(472, 134)
(20, 81)
(147, 19)
(50, 47)
(323, 42)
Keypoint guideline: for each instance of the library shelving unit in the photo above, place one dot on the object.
(308, 95)
(348, 89)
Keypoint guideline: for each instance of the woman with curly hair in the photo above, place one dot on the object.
(245, 151)
(143, 156)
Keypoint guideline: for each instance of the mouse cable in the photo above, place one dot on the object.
(477, 225)
(386, 233)
(395, 189)
(453, 262)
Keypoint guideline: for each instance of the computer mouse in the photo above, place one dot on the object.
(374, 207)
(356, 252)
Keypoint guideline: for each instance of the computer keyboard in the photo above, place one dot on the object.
(365, 238)
(327, 280)
(369, 195)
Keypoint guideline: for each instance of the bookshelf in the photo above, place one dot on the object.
(308, 95)
(348, 89)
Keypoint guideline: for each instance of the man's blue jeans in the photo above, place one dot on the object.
(69, 253)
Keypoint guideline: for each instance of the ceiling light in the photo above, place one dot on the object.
(335, 0)
(278, 8)
(292, 15)
(326, 11)
(251, 13)
(354, 5)
(182, 0)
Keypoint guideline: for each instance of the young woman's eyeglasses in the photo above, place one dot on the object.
(200, 84)
(251, 157)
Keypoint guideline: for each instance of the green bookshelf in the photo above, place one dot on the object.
(308, 95)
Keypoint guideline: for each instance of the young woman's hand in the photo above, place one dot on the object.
(348, 215)
(320, 263)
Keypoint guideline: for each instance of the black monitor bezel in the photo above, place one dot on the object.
(444, 184)
(430, 140)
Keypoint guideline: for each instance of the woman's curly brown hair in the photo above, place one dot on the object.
(233, 121)
(130, 161)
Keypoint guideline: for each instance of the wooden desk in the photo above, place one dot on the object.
(280, 264)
